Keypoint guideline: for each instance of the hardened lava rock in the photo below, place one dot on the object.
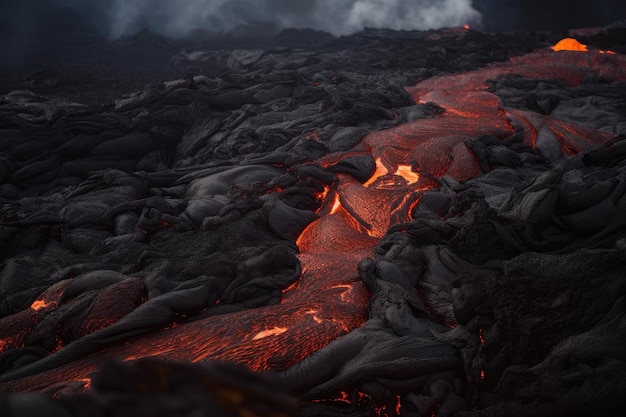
(390, 223)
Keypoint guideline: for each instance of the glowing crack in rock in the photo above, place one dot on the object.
(381, 170)
(336, 204)
(276, 331)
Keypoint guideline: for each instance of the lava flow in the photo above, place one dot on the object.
(329, 300)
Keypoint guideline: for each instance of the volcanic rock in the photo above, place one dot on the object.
(401, 223)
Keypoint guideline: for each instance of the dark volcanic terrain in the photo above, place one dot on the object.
(389, 223)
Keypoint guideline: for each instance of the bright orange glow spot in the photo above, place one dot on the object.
(313, 314)
(569, 44)
(344, 397)
(321, 197)
(39, 304)
(405, 172)
(336, 204)
(399, 406)
(380, 171)
(607, 52)
(482, 374)
(466, 27)
(345, 294)
(292, 286)
(86, 382)
(270, 332)
(301, 239)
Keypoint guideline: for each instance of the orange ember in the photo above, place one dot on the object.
(569, 44)
(86, 382)
(39, 305)
(276, 331)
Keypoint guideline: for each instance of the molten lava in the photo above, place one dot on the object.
(406, 172)
(330, 299)
(39, 304)
(336, 205)
(276, 331)
(380, 171)
(569, 44)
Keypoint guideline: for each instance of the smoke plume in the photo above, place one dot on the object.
(178, 17)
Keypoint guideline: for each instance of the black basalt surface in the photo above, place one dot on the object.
(172, 185)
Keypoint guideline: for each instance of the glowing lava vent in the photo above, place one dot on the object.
(569, 44)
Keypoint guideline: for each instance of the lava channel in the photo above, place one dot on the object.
(329, 299)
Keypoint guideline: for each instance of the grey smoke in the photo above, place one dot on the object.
(26, 21)
(340, 17)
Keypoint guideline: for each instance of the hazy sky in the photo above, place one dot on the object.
(177, 17)
(113, 18)
(340, 17)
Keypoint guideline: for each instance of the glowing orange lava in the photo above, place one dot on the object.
(406, 172)
(569, 44)
(381, 170)
(336, 204)
(276, 331)
(40, 304)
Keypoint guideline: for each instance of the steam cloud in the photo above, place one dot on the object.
(178, 17)
(26, 20)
